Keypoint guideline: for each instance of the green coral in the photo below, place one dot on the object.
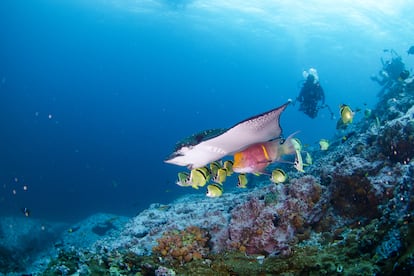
(271, 198)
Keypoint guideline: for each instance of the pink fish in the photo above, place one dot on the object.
(257, 157)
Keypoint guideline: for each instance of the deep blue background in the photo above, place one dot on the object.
(94, 94)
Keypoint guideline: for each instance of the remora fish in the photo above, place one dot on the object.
(209, 146)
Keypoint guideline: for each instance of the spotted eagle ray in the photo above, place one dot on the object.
(208, 146)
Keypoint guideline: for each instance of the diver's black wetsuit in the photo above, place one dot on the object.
(309, 96)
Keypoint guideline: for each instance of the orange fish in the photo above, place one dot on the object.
(257, 157)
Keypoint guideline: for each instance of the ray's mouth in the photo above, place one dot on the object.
(173, 156)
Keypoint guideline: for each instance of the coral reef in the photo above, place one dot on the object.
(262, 227)
(183, 245)
(351, 213)
(140, 234)
(396, 138)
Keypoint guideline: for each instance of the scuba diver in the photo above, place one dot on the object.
(312, 96)
(393, 74)
(393, 70)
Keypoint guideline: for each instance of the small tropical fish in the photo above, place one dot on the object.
(220, 176)
(183, 179)
(367, 113)
(346, 137)
(26, 211)
(199, 177)
(278, 176)
(214, 190)
(377, 121)
(214, 166)
(298, 164)
(347, 115)
(257, 157)
(242, 181)
(297, 144)
(308, 159)
(228, 165)
(73, 229)
(324, 144)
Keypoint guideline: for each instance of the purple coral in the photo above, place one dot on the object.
(260, 226)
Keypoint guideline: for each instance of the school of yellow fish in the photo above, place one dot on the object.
(254, 160)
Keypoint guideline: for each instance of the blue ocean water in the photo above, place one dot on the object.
(95, 94)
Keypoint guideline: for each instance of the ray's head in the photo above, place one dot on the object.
(180, 157)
